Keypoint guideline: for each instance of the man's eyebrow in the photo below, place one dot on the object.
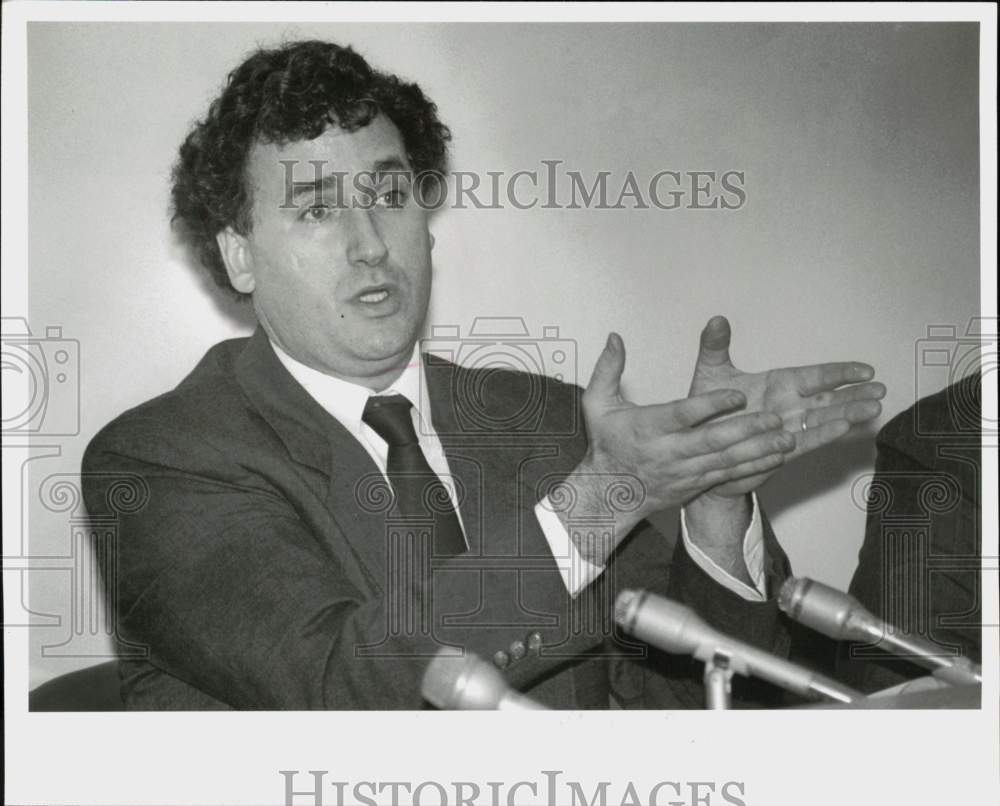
(318, 186)
(389, 165)
(336, 179)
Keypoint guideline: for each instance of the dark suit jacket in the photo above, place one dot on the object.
(263, 570)
(919, 566)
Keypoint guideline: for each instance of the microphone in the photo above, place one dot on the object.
(676, 628)
(469, 683)
(842, 617)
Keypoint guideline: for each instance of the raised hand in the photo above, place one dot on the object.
(674, 451)
(817, 404)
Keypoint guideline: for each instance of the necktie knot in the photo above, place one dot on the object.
(389, 417)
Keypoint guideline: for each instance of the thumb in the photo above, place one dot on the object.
(605, 381)
(714, 348)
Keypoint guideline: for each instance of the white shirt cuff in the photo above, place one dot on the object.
(753, 556)
(576, 572)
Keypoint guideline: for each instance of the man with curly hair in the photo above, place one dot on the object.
(324, 514)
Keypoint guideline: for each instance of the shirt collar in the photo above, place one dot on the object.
(345, 401)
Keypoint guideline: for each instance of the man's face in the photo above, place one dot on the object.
(340, 287)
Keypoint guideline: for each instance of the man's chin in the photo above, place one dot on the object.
(385, 354)
(385, 339)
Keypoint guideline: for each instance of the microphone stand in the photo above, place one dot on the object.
(677, 629)
(718, 679)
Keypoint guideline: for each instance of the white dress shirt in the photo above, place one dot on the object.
(345, 402)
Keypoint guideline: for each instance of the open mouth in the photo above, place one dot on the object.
(373, 295)
(378, 300)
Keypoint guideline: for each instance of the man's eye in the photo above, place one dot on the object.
(316, 213)
(393, 199)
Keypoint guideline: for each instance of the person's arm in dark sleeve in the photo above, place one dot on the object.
(236, 595)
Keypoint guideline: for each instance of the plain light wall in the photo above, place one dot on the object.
(859, 144)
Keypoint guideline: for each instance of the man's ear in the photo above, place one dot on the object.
(431, 234)
(238, 259)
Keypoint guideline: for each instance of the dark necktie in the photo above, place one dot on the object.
(419, 492)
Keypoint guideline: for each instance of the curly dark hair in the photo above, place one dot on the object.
(282, 95)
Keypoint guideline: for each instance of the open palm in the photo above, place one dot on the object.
(817, 404)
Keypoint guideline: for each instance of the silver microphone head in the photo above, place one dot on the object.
(667, 624)
(625, 608)
(824, 609)
(842, 617)
(463, 682)
(790, 595)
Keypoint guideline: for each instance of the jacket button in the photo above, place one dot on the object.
(501, 660)
(535, 641)
(518, 650)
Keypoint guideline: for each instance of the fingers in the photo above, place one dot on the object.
(826, 377)
(861, 391)
(713, 350)
(861, 411)
(666, 418)
(716, 437)
(753, 467)
(605, 380)
(856, 404)
(816, 437)
(854, 412)
(750, 448)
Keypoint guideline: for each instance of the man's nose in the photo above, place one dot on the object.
(365, 243)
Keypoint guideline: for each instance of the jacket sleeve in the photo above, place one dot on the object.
(918, 568)
(642, 677)
(660, 680)
(233, 594)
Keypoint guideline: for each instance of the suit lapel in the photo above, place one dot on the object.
(300, 421)
(316, 439)
(354, 499)
(489, 461)
(464, 464)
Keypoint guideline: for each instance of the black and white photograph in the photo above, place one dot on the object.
(472, 397)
